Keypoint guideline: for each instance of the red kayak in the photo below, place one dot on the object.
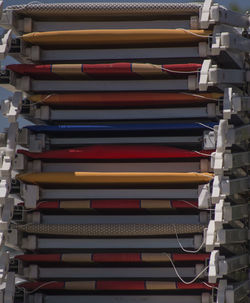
(104, 152)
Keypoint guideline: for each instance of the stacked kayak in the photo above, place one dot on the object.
(130, 183)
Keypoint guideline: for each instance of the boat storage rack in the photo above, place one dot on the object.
(130, 181)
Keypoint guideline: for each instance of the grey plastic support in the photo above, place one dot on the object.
(235, 104)
(234, 186)
(38, 166)
(238, 293)
(228, 38)
(233, 264)
(187, 140)
(229, 135)
(27, 84)
(5, 44)
(11, 107)
(230, 161)
(5, 186)
(35, 53)
(202, 218)
(7, 210)
(238, 135)
(1, 8)
(223, 187)
(45, 113)
(80, 244)
(36, 272)
(216, 236)
(118, 193)
(211, 75)
(218, 76)
(235, 212)
(232, 18)
(42, 298)
(230, 236)
(212, 13)
(32, 193)
(43, 26)
(9, 291)
(6, 19)
(220, 266)
(40, 142)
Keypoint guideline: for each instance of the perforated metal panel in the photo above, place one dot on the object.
(111, 230)
(106, 10)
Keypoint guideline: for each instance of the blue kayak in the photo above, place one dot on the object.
(122, 128)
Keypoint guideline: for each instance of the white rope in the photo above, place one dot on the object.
(200, 96)
(174, 71)
(32, 209)
(203, 154)
(211, 286)
(211, 128)
(180, 72)
(194, 34)
(201, 174)
(209, 209)
(186, 250)
(204, 175)
(178, 275)
(48, 96)
(36, 289)
(187, 202)
(42, 101)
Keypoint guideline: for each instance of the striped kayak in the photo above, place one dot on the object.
(115, 285)
(104, 71)
(111, 257)
(115, 37)
(116, 204)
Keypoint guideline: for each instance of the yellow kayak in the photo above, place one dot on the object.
(118, 37)
(124, 178)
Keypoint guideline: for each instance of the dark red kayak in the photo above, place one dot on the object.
(95, 152)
